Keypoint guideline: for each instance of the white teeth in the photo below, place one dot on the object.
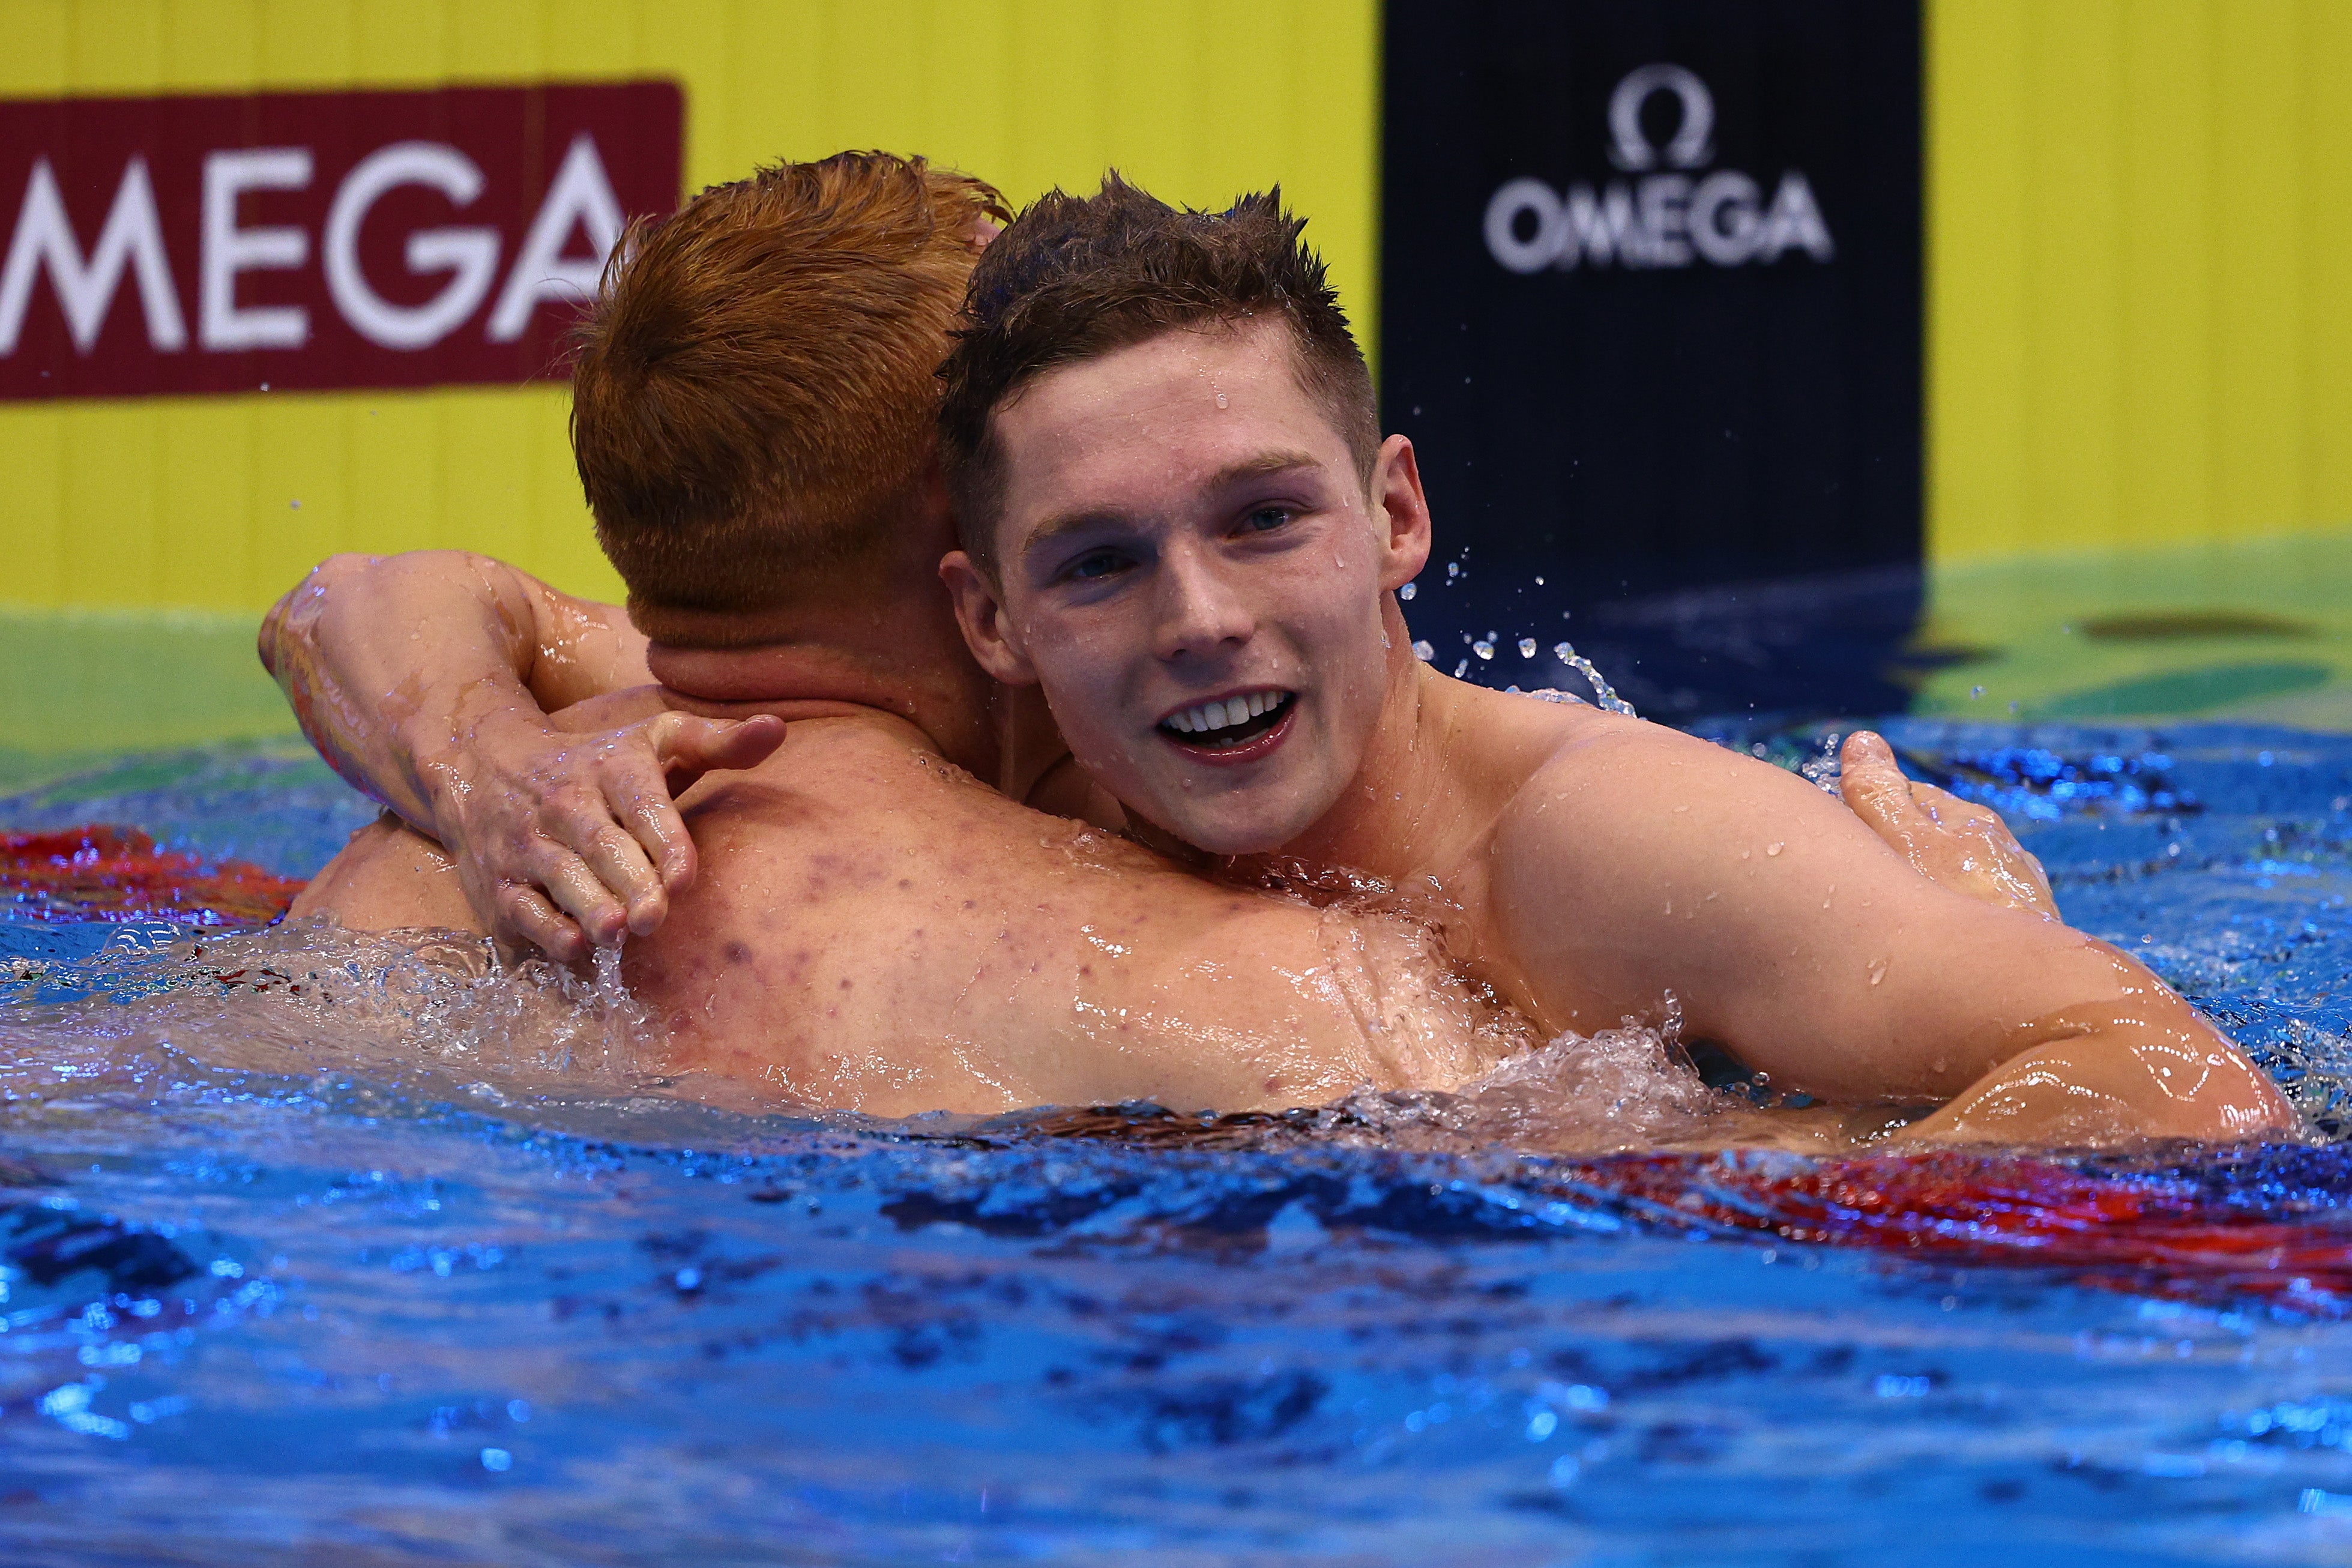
(1226, 712)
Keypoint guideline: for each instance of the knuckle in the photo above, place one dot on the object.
(550, 865)
(618, 850)
(579, 816)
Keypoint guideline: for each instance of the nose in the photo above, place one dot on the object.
(1201, 614)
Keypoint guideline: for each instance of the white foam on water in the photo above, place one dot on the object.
(412, 1008)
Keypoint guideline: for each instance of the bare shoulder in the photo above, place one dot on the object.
(1632, 859)
(1634, 787)
(389, 877)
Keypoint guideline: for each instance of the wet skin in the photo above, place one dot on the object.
(872, 928)
(1182, 524)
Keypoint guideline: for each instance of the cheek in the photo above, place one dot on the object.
(1086, 657)
(1081, 677)
(1355, 665)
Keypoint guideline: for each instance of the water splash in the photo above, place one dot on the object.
(435, 1010)
(1604, 695)
(1825, 766)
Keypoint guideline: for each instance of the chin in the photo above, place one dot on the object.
(1230, 842)
(1221, 833)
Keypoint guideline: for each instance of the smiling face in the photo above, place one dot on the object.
(1189, 561)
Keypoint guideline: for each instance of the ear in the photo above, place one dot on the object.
(1399, 514)
(987, 631)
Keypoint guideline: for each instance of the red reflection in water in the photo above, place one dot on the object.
(2272, 1225)
(1973, 1209)
(107, 873)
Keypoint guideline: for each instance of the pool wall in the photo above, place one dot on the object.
(2138, 251)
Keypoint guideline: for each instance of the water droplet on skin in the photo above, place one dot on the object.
(1423, 651)
(1774, 848)
(1407, 592)
(1526, 647)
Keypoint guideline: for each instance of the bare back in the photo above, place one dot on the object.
(874, 930)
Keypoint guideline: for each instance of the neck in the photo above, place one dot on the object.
(1401, 815)
(886, 644)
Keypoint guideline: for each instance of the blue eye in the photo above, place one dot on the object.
(1266, 519)
(1095, 565)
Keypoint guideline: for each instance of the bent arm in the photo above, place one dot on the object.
(427, 681)
(1816, 954)
(394, 665)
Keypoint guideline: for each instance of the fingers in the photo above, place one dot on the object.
(621, 866)
(582, 841)
(1875, 789)
(1945, 807)
(578, 891)
(2011, 866)
(584, 861)
(650, 816)
(689, 747)
(522, 914)
(685, 748)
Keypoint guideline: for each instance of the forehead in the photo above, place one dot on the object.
(1125, 427)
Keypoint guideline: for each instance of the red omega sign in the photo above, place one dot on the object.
(315, 239)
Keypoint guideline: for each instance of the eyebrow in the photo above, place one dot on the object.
(1242, 472)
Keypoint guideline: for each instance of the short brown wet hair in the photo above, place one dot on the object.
(755, 390)
(1078, 277)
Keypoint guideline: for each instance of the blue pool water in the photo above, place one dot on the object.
(318, 1303)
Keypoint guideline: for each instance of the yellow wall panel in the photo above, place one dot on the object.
(1979, 351)
(2324, 122)
(188, 501)
(2260, 374)
(2139, 272)
(32, 531)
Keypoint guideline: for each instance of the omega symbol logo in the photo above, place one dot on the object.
(1672, 215)
(1692, 145)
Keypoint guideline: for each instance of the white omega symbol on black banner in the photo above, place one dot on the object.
(1665, 219)
(1692, 145)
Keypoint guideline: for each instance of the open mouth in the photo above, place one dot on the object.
(1223, 723)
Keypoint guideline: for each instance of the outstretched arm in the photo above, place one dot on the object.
(426, 680)
(1640, 862)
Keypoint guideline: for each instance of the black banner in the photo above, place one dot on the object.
(1652, 314)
